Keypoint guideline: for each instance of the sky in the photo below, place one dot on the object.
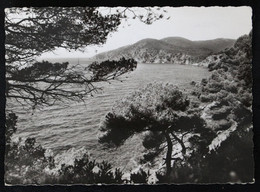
(193, 23)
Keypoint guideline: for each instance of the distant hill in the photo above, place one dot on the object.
(179, 41)
(215, 45)
(167, 50)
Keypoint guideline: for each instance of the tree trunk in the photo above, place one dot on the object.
(180, 142)
(169, 154)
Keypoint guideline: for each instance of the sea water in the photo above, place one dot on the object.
(70, 129)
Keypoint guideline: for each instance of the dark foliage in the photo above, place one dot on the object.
(140, 177)
(44, 29)
(153, 139)
(164, 111)
(39, 70)
(86, 171)
(161, 109)
(44, 83)
(41, 30)
(26, 163)
(231, 162)
(151, 155)
(11, 128)
(113, 68)
(228, 90)
(118, 130)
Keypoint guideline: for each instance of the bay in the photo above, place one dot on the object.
(70, 129)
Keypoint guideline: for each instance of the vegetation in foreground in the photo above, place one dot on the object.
(216, 115)
(40, 30)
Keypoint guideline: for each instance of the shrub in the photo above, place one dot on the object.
(140, 177)
(214, 87)
(207, 97)
(230, 87)
(204, 99)
(211, 66)
(246, 99)
(204, 82)
(11, 128)
(221, 113)
(86, 171)
(195, 93)
(152, 140)
(243, 116)
(26, 163)
(221, 94)
(150, 156)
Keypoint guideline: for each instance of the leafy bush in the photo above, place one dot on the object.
(246, 99)
(243, 116)
(86, 171)
(161, 109)
(231, 162)
(235, 156)
(161, 177)
(150, 155)
(212, 66)
(245, 73)
(204, 82)
(11, 128)
(153, 140)
(221, 113)
(25, 162)
(230, 87)
(207, 98)
(214, 87)
(140, 177)
(221, 95)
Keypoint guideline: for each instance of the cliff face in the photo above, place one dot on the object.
(174, 50)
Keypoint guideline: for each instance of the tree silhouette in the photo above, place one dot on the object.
(45, 83)
(161, 109)
(31, 32)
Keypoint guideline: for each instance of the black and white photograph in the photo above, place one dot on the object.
(128, 95)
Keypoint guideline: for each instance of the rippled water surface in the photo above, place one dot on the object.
(65, 129)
